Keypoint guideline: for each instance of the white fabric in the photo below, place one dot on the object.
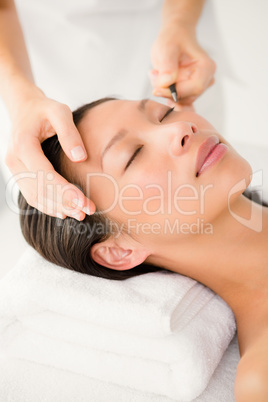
(83, 50)
(155, 304)
(22, 381)
(158, 333)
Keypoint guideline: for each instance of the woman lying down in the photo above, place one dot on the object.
(168, 190)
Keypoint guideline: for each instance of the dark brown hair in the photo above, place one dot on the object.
(68, 242)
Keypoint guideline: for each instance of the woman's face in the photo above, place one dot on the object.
(158, 172)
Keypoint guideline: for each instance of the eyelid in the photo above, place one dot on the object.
(167, 113)
(133, 156)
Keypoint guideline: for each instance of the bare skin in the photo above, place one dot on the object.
(242, 281)
(232, 260)
(176, 57)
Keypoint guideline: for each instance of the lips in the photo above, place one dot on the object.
(209, 153)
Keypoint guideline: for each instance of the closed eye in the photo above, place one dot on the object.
(167, 113)
(133, 156)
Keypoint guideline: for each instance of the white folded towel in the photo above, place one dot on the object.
(105, 329)
(154, 304)
(22, 381)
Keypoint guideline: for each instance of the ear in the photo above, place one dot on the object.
(113, 256)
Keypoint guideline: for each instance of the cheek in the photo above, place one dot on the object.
(143, 197)
(157, 196)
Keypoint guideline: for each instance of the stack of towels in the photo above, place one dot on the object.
(160, 333)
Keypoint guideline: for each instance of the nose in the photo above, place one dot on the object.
(181, 136)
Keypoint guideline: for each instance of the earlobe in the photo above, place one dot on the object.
(116, 257)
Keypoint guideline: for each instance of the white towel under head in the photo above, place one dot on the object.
(161, 332)
(153, 304)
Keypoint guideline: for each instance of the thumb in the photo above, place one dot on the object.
(166, 63)
(68, 134)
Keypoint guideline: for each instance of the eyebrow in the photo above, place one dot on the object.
(122, 133)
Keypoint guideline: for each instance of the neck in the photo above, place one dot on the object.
(231, 261)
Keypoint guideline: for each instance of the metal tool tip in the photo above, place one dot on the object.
(173, 91)
(174, 96)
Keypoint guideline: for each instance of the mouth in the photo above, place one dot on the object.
(209, 153)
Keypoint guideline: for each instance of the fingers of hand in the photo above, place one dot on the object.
(48, 117)
(47, 191)
(41, 186)
(165, 70)
(57, 197)
(74, 203)
(161, 80)
(69, 137)
(165, 57)
(192, 82)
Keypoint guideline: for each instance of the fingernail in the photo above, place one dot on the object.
(59, 215)
(77, 203)
(78, 153)
(76, 215)
(87, 211)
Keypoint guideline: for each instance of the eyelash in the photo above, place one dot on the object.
(133, 156)
(167, 113)
(140, 147)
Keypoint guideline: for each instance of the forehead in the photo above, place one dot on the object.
(106, 114)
